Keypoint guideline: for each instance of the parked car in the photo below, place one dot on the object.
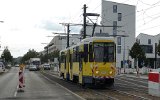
(46, 66)
(17, 65)
(32, 68)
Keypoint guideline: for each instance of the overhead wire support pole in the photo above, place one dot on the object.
(155, 59)
(68, 35)
(68, 30)
(84, 21)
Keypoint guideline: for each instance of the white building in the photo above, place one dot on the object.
(59, 42)
(118, 14)
(147, 42)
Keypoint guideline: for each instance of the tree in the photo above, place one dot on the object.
(30, 54)
(50, 56)
(137, 53)
(6, 56)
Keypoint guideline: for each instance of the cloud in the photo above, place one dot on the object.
(50, 25)
(75, 29)
(55, 26)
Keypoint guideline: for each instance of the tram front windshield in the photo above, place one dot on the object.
(104, 52)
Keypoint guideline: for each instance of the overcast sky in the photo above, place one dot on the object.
(28, 22)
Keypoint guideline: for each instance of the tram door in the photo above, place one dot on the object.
(80, 69)
(71, 66)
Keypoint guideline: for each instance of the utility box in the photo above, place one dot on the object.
(154, 83)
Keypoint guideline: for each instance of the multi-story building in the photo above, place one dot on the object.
(148, 42)
(59, 42)
(118, 14)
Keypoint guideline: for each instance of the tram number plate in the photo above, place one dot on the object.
(103, 72)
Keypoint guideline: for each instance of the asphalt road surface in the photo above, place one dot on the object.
(37, 87)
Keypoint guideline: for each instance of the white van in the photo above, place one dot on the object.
(46, 66)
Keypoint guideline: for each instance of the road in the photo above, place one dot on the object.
(37, 87)
(47, 85)
(126, 87)
(8, 83)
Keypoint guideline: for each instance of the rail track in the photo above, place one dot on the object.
(124, 89)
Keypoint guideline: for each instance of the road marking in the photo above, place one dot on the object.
(62, 86)
(15, 94)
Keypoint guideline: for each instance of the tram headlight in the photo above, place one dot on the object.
(110, 72)
(97, 72)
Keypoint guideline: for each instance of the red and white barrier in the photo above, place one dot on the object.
(154, 83)
(21, 81)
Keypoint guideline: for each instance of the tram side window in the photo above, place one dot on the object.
(90, 52)
(62, 59)
(77, 54)
(85, 52)
(74, 56)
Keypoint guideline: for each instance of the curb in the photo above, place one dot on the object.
(128, 75)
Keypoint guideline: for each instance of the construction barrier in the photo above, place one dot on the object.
(154, 83)
(21, 79)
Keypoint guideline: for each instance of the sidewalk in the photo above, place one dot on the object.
(135, 75)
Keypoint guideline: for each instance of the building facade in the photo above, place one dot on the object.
(59, 42)
(148, 44)
(118, 14)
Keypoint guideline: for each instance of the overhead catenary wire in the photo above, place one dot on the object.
(130, 14)
(144, 11)
(79, 13)
(149, 21)
(149, 28)
(107, 9)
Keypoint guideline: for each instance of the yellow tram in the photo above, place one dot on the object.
(91, 62)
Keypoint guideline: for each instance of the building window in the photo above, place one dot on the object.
(114, 28)
(119, 40)
(119, 16)
(149, 41)
(147, 48)
(118, 49)
(60, 38)
(114, 8)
